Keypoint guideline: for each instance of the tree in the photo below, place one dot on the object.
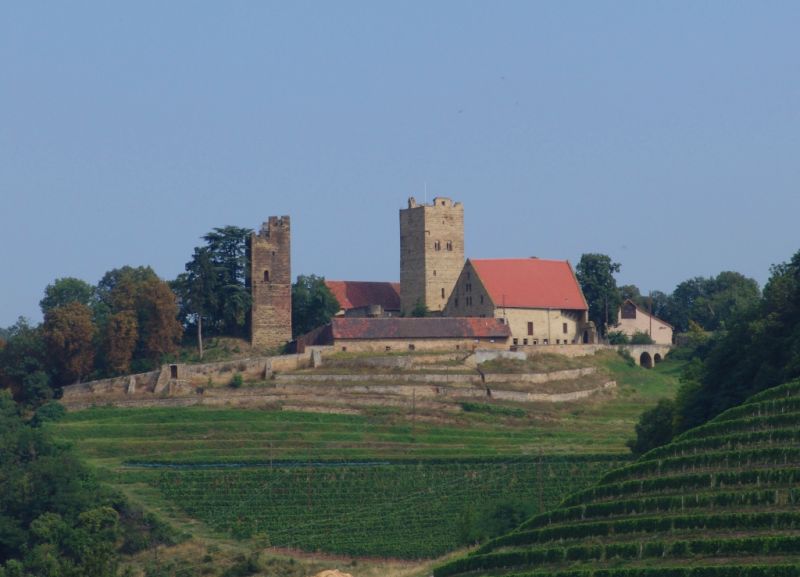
(197, 291)
(68, 333)
(420, 309)
(654, 428)
(24, 367)
(595, 274)
(121, 334)
(214, 292)
(67, 290)
(711, 302)
(313, 304)
(632, 292)
(55, 518)
(228, 253)
(159, 330)
(145, 310)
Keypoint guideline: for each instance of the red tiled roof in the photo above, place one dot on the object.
(357, 294)
(419, 328)
(530, 283)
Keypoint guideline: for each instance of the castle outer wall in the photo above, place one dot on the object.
(271, 284)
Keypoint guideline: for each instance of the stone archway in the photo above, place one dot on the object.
(657, 358)
(645, 360)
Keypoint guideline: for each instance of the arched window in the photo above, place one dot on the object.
(266, 276)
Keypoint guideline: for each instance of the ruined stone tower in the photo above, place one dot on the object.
(271, 282)
(431, 252)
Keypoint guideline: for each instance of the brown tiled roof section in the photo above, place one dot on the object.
(419, 328)
(357, 294)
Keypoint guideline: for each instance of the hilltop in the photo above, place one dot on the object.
(404, 477)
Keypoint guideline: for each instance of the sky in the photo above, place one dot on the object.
(664, 134)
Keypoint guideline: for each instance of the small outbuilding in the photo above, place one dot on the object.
(633, 319)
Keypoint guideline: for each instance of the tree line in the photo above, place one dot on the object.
(699, 303)
(757, 347)
(56, 519)
(132, 321)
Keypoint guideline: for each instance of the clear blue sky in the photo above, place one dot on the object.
(665, 134)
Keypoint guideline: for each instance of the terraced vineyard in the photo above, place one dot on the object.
(722, 499)
(407, 510)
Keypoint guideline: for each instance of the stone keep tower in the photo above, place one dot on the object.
(431, 252)
(271, 284)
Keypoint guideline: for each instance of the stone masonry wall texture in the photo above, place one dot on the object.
(271, 281)
(431, 252)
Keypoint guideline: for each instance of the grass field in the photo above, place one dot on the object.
(295, 479)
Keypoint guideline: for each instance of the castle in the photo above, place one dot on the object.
(521, 302)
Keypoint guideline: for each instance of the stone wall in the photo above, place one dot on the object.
(170, 378)
(431, 252)
(271, 284)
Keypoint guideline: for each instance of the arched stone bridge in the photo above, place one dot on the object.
(648, 356)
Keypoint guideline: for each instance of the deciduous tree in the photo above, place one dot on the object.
(595, 273)
(313, 304)
(67, 290)
(68, 333)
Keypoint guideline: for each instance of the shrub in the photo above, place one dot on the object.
(617, 338)
(236, 381)
(639, 338)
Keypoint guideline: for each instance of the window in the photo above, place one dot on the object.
(411, 347)
(455, 302)
(468, 288)
(535, 341)
(546, 342)
(558, 341)
(565, 328)
(530, 328)
(266, 276)
(442, 293)
(388, 348)
(516, 342)
(437, 245)
(344, 349)
(524, 341)
(481, 299)
(449, 245)
(434, 272)
(629, 311)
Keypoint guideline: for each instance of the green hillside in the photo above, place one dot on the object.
(722, 499)
(389, 482)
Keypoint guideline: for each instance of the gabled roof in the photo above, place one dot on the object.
(530, 283)
(645, 312)
(357, 294)
(419, 328)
